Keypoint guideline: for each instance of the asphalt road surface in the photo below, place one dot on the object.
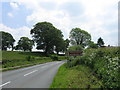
(38, 76)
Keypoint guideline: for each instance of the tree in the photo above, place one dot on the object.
(46, 36)
(59, 46)
(66, 44)
(62, 45)
(79, 37)
(7, 40)
(92, 45)
(25, 44)
(100, 42)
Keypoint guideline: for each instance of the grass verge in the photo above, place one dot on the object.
(15, 59)
(79, 76)
(22, 66)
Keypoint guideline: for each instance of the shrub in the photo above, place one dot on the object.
(62, 58)
(54, 57)
(29, 58)
(72, 62)
(105, 63)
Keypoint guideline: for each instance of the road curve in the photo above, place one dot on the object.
(38, 76)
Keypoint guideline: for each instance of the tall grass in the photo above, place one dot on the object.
(75, 77)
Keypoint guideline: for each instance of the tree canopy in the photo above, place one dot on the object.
(92, 45)
(100, 42)
(62, 46)
(46, 36)
(59, 46)
(7, 40)
(49, 39)
(25, 44)
(66, 44)
(75, 48)
(79, 37)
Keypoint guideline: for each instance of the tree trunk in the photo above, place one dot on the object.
(46, 50)
(12, 48)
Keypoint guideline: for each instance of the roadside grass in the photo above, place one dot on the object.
(79, 76)
(19, 55)
(21, 66)
(20, 58)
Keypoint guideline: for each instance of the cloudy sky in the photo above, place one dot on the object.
(98, 17)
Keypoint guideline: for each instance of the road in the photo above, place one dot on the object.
(38, 76)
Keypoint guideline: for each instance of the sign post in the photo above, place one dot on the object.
(75, 53)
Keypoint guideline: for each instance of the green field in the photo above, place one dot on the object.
(76, 77)
(17, 58)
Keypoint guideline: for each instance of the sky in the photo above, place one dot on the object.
(97, 17)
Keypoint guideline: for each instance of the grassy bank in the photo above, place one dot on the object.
(76, 77)
(20, 58)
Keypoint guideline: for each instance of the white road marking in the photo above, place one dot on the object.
(30, 72)
(5, 83)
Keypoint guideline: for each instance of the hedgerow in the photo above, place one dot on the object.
(104, 63)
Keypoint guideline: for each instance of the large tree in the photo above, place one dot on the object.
(46, 36)
(7, 40)
(25, 44)
(100, 42)
(79, 37)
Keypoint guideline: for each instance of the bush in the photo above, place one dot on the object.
(105, 63)
(54, 57)
(72, 62)
(29, 58)
(62, 58)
